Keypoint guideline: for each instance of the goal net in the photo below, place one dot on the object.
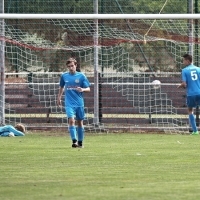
(131, 53)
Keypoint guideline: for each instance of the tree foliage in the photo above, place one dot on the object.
(55, 34)
(87, 6)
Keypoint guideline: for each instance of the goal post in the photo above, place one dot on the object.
(128, 60)
(99, 16)
(2, 68)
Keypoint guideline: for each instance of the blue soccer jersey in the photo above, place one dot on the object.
(74, 98)
(191, 75)
(7, 129)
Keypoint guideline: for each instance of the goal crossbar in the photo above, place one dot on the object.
(99, 16)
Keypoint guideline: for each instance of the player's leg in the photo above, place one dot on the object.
(72, 128)
(9, 131)
(6, 129)
(192, 121)
(7, 134)
(191, 103)
(80, 115)
(80, 131)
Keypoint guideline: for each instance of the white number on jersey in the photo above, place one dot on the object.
(194, 75)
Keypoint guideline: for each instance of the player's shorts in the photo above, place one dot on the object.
(75, 112)
(193, 101)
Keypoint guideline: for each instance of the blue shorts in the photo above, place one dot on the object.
(75, 112)
(193, 101)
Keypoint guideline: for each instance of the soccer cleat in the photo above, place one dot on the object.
(80, 144)
(195, 133)
(74, 145)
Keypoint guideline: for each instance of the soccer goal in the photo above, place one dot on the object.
(121, 54)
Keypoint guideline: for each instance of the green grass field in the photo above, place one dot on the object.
(110, 167)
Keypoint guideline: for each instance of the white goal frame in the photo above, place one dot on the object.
(95, 17)
(99, 16)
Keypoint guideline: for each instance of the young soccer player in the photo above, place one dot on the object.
(10, 131)
(191, 81)
(74, 84)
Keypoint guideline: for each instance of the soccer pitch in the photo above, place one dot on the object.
(42, 165)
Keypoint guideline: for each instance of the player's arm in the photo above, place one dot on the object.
(183, 78)
(61, 90)
(182, 85)
(85, 86)
(83, 89)
(17, 132)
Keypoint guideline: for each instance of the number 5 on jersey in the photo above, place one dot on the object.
(194, 75)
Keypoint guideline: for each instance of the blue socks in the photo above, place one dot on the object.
(80, 131)
(192, 122)
(72, 132)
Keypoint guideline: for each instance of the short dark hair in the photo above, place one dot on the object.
(188, 57)
(70, 60)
